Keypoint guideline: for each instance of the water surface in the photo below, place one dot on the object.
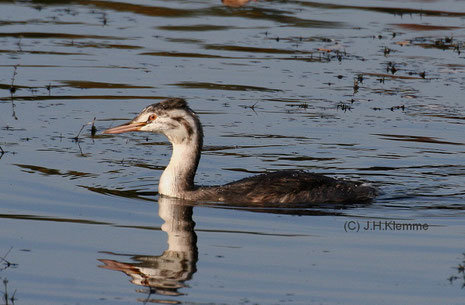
(368, 90)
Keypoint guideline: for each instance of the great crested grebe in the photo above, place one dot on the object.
(182, 127)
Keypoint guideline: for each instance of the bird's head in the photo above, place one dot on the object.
(172, 117)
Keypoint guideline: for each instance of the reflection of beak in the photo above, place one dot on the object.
(125, 128)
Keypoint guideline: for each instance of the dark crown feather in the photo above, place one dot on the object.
(167, 105)
(173, 103)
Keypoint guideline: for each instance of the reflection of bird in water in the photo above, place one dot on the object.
(167, 273)
(180, 124)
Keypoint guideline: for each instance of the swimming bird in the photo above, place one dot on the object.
(181, 125)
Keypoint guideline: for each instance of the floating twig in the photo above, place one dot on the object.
(13, 106)
(7, 298)
(80, 149)
(12, 87)
(13, 90)
(104, 19)
(19, 45)
(49, 88)
(7, 263)
(252, 107)
(76, 138)
(151, 291)
(93, 129)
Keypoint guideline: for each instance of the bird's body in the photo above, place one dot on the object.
(286, 187)
(181, 126)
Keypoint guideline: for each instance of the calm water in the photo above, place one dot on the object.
(370, 90)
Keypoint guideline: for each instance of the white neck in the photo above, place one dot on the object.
(178, 176)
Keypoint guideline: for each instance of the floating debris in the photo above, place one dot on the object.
(6, 263)
(250, 107)
(13, 87)
(398, 107)
(460, 273)
(76, 138)
(356, 86)
(391, 67)
(93, 129)
(386, 51)
(6, 297)
(343, 107)
(49, 88)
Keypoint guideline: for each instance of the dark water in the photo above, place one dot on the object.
(369, 90)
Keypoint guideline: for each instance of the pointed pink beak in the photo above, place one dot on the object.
(125, 128)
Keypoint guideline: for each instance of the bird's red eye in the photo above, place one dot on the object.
(152, 117)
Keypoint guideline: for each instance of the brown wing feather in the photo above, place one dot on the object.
(290, 187)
